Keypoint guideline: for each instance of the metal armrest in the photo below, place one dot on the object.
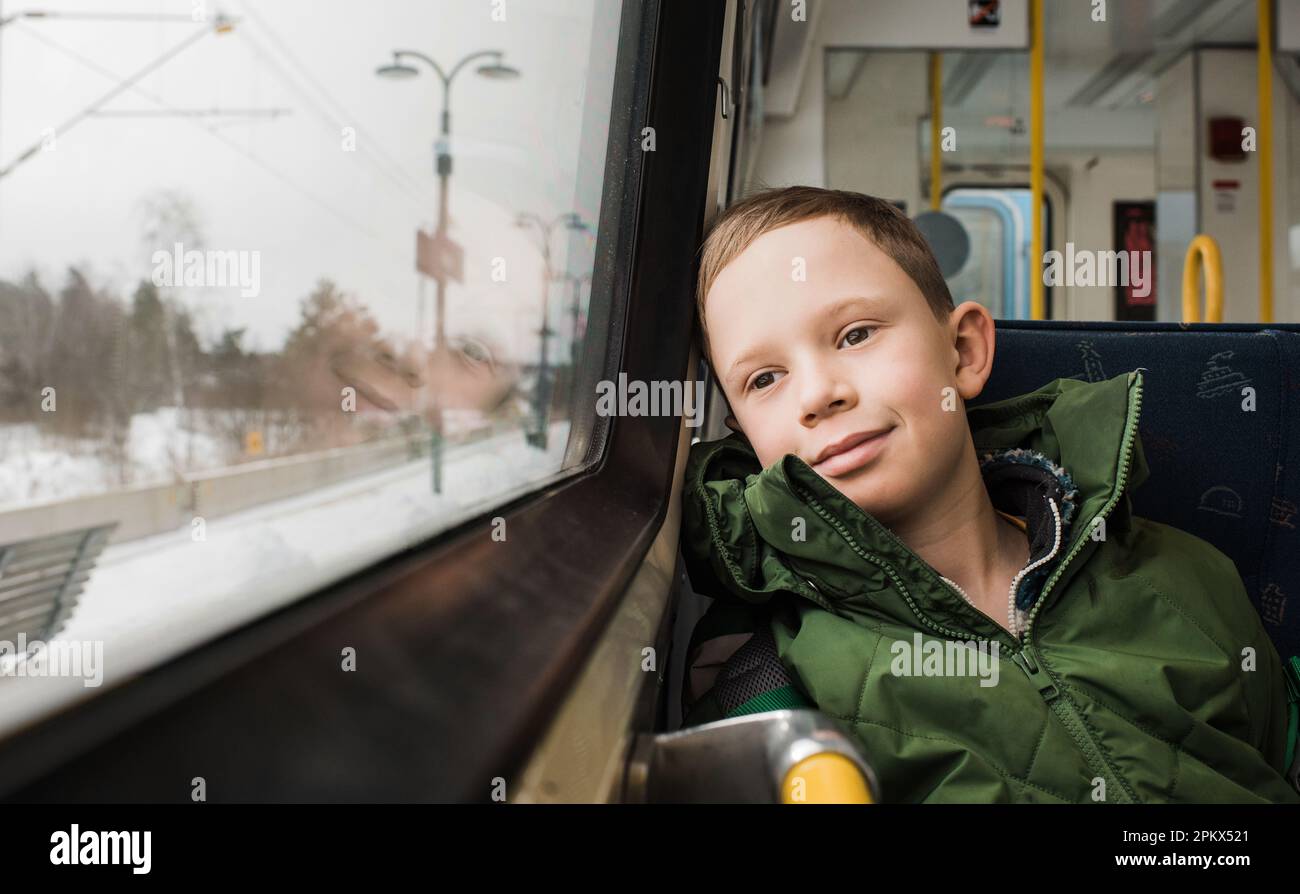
(790, 756)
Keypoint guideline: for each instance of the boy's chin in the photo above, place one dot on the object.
(881, 502)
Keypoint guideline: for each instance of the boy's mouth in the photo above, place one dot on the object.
(851, 452)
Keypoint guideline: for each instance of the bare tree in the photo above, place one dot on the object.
(170, 217)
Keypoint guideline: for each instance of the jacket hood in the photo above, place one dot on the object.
(750, 532)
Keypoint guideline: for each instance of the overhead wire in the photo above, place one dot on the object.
(335, 119)
(346, 219)
(277, 174)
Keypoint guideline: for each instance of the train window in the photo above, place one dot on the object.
(283, 290)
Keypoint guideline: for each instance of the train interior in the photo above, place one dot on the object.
(535, 643)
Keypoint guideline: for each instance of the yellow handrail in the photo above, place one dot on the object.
(936, 131)
(1264, 96)
(1037, 299)
(1203, 249)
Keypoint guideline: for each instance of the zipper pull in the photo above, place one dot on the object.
(1046, 688)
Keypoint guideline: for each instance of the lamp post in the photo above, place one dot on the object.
(577, 309)
(542, 394)
(398, 70)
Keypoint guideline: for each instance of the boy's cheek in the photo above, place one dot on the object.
(922, 396)
(768, 447)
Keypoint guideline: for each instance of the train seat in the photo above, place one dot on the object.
(1224, 459)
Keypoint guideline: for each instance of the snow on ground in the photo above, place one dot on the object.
(38, 466)
(151, 599)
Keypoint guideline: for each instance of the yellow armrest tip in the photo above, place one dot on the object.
(826, 778)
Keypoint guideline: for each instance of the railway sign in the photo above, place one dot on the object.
(438, 256)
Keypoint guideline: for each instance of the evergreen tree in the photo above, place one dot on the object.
(150, 368)
(26, 334)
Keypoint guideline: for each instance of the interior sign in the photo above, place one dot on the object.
(985, 13)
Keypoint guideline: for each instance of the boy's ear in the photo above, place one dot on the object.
(733, 424)
(971, 326)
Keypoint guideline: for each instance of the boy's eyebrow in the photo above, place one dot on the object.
(853, 301)
(743, 359)
(833, 311)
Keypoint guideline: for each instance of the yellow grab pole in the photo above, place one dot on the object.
(1037, 302)
(936, 126)
(1264, 91)
(1203, 248)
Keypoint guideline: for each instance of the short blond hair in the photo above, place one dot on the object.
(876, 219)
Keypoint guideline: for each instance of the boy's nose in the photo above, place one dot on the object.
(827, 398)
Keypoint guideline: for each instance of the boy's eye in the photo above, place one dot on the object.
(855, 336)
(849, 336)
(475, 351)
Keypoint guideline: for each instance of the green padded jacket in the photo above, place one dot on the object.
(1141, 672)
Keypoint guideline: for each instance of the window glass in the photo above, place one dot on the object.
(284, 287)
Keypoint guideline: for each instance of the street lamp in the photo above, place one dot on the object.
(542, 393)
(400, 70)
(577, 309)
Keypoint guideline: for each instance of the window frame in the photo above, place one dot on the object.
(464, 646)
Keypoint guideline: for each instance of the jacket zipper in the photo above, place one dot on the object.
(1012, 623)
(1066, 710)
(1126, 458)
(1015, 582)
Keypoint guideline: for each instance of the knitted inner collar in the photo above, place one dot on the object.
(1026, 483)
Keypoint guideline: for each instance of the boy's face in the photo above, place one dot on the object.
(852, 351)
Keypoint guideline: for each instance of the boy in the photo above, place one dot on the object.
(869, 541)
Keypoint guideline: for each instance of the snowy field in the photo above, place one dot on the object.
(35, 466)
(151, 599)
(161, 446)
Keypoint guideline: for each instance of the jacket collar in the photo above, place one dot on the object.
(1025, 483)
(751, 532)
